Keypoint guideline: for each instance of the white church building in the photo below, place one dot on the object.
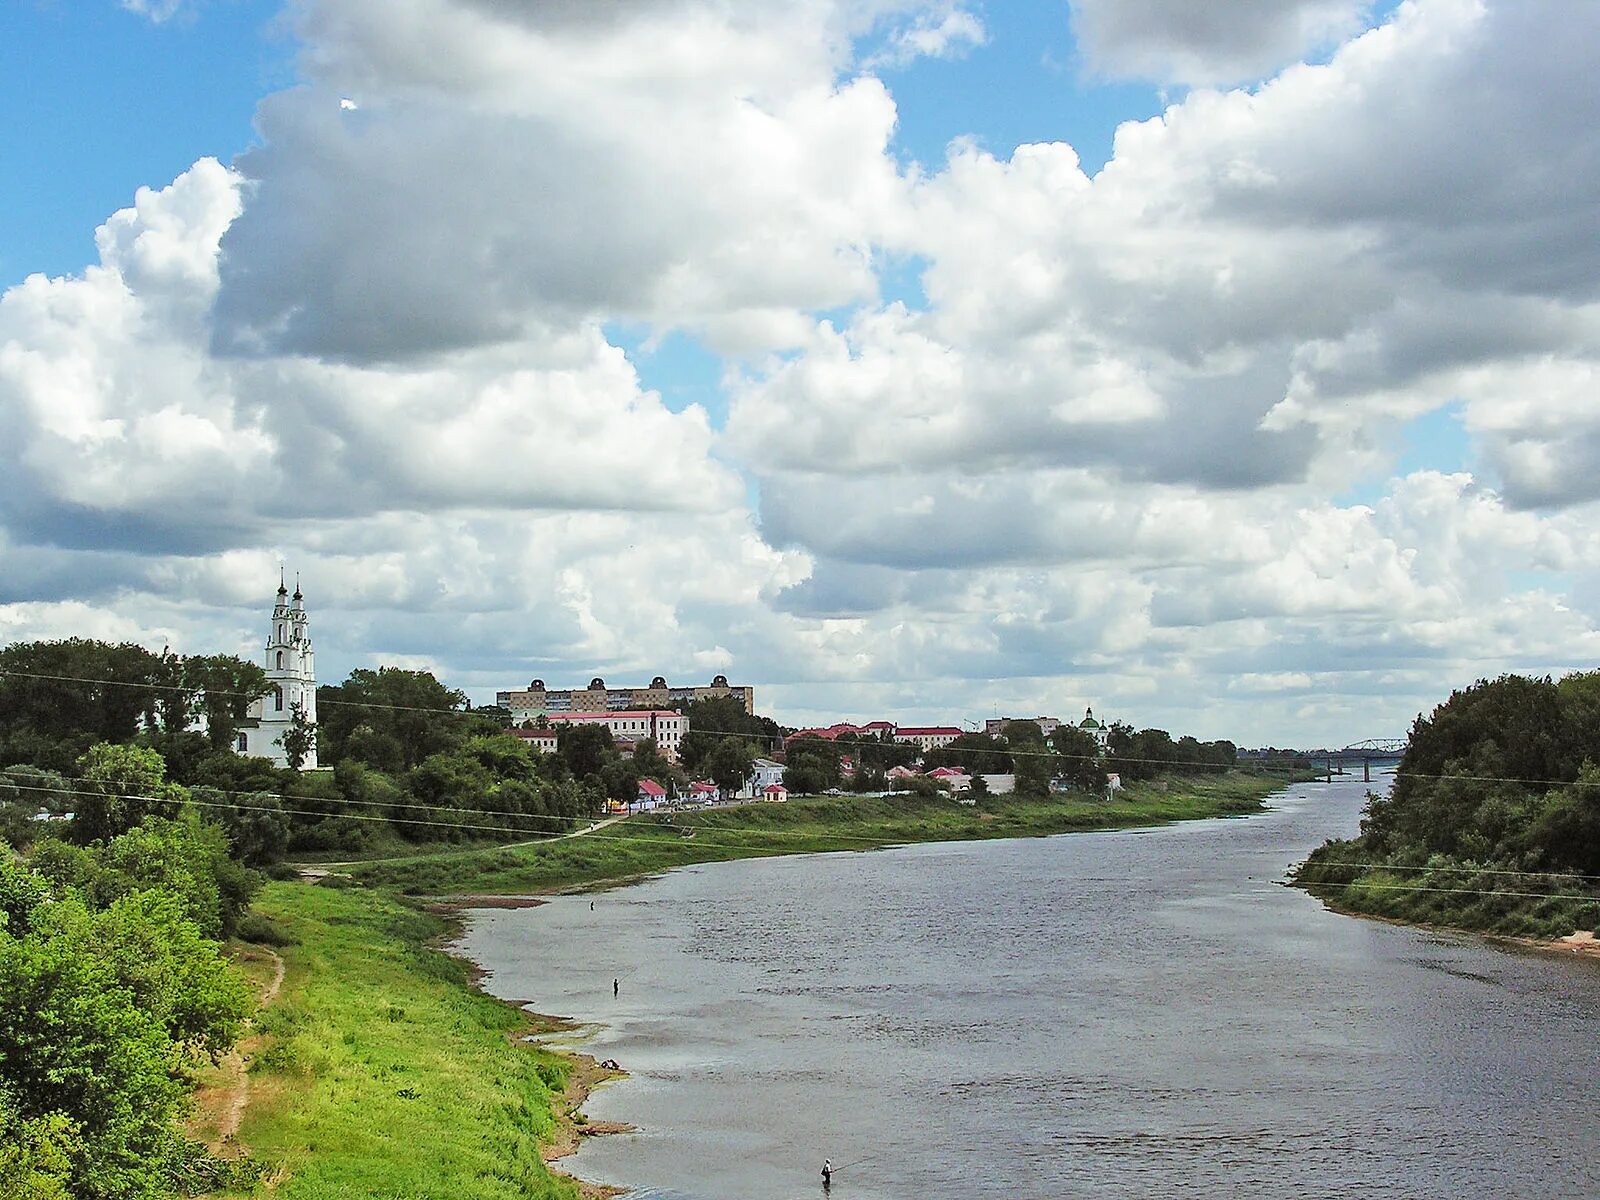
(292, 682)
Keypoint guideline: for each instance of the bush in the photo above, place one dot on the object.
(253, 927)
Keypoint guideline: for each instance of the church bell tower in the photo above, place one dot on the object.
(290, 663)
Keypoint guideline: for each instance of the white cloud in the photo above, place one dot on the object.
(932, 34)
(1100, 466)
(158, 11)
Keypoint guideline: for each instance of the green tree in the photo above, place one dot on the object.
(121, 784)
(300, 739)
(729, 765)
(713, 721)
(89, 1006)
(585, 746)
(811, 765)
(1078, 758)
(974, 753)
(59, 698)
(410, 711)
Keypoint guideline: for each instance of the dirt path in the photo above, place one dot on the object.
(320, 870)
(238, 1067)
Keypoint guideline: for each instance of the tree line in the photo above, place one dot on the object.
(1497, 793)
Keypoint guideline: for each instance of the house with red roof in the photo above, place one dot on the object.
(651, 795)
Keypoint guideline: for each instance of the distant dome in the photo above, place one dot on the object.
(720, 681)
(658, 682)
(597, 684)
(536, 686)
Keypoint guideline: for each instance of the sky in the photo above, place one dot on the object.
(1232, 369)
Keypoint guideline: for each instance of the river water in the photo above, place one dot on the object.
(1126, 1014)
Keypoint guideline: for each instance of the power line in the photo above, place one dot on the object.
(502, 829)
(346, 801)
(456, 712)
(1109, 756)
(666, 841)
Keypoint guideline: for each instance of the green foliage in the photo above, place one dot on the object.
(1495, 795)
(1078, 759)
(99, 1011)
(712, 720)
(256, 825)
(36, 1154)
(420, 1085)
(391, 719)
(978, 753)
(811, 765)
(50, 722)
(121, 783)
(300, 739)
(647, 844)
(729, 764)
(584, 747)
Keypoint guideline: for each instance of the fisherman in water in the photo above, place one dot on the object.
(827, 1173)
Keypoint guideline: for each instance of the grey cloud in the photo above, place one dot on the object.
(1478, 163)
(1189, 42)
(428, 229)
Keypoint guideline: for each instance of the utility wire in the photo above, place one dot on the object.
(665, 841)
(1109, 756)
(541, 834)
(457, 712)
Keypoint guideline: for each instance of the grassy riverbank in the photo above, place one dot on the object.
(650, 843)
(383, 1072)
(1446, 893)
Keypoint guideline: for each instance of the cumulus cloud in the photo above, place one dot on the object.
(1181, 42)
(122, 429)
(1107, 461)
(694, 165)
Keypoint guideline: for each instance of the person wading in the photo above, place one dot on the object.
(827, 1173)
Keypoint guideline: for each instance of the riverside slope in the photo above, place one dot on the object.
(650, 843)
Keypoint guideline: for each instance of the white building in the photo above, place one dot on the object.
(1095, 729)
(764, 773)
(292, 679)
(664, 725)
(927, 737)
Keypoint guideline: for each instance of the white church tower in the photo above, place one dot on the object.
(292, 676)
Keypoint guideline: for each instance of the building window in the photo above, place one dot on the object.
(280, 660)
(277, 699)
(244, 743)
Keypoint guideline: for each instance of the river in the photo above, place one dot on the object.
(1125, 1014)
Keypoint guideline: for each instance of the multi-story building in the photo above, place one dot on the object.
(927, 737)
(997, 726)
(538, 700)
(292, 685)
(666, 726)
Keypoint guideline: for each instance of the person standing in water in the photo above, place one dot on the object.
(616, 986)
(827, 1173)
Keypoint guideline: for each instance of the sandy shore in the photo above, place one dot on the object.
(1582, 942)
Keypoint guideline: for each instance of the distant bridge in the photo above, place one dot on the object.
(1379, 750)
(1376, 747)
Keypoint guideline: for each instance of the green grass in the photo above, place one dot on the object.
(384, 1073)
(650, 843)
(1449, 893)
